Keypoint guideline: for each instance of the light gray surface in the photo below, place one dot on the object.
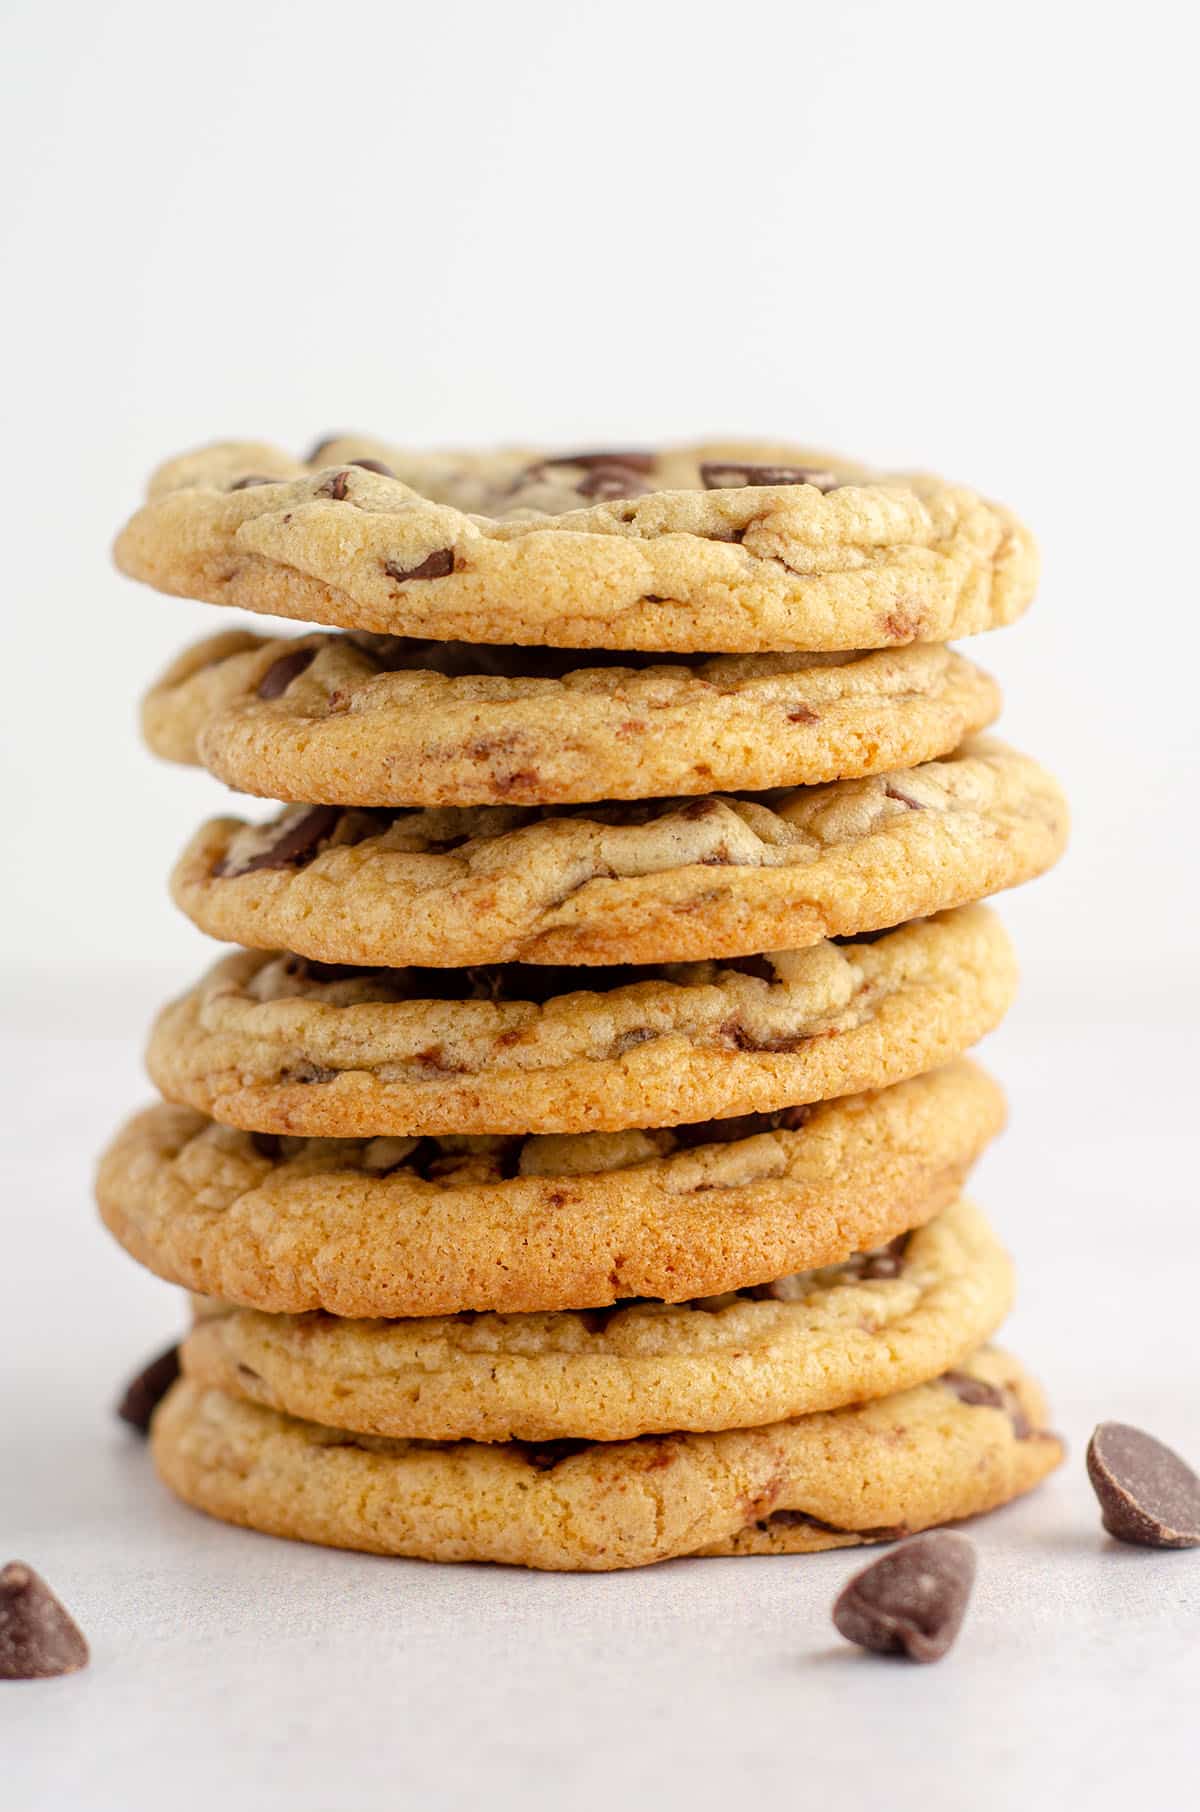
(231, 1670)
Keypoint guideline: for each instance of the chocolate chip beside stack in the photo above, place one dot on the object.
(912, 1601)
(1148, 1495)
(38, 1636)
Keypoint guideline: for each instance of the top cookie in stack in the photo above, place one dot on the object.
(730, 548)
(617, 939)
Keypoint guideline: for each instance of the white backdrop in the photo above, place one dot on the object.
(950, 234)
(934, 233)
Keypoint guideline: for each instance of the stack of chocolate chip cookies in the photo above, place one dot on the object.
(567, 1163)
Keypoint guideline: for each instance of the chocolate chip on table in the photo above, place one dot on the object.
(143, 1394)
(280, 674)
(1148, 1494)
(437, 565)
(912, 1601)
(39, 1638)
(731, 477)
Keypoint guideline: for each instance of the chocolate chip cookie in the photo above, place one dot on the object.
(274, 1042)
(950, 1448)
(876, 1323)
(383, 721)
(649, 882)
(430, 1226)
(734, 547)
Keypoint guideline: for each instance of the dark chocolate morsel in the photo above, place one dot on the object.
(1148, 1495)
(39, 1638)
(913, 1600)
(606, 482)
(719, 476)
(978, 1394)
(549, 1454)
(292, 846)
(630, 461)
(337, 487)
(435, 566)
(143, 1394)
(280, 674)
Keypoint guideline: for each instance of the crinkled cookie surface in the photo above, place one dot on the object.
(735, 547)
(953, 1447)
(275, 1043)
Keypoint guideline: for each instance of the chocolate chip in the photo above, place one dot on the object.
(293, 845)
(435, 566)
(374, 465)
(549, 1454)
(719, 477)
(977, 1393)
(606, 482)
(800, 1519)
(1148, 1494)
(875, 1266)
(143, 1394)
(740, 1126)
(866, 937)
(305, 1073)
(245, 484)
(39, 1639)
(336, 487)
(757, 966)
(912, 1601)
(280, 674)
(631, 461)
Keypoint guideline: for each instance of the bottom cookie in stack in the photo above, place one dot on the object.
(849, 1404)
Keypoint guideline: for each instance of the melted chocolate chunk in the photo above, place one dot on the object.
(1148, 1494)
(866, 937)
(606, 482)
(757, 966)
(978, 1394)
(435, 566)
(732, 477)
(39, 1639)
(874, 1266)
(280, 674)
(293, 847)
(800, 1519)
(891, 791)
(337, 487)
(143, 1394)
(546, 1455)
(630, 461)
(740, 1126)
(911, 1602)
